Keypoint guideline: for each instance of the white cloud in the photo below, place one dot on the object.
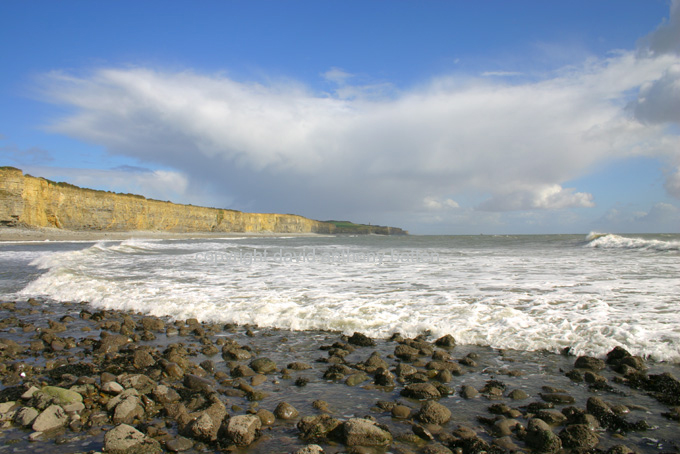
(659, 100)
(501, 73)
(368, 149)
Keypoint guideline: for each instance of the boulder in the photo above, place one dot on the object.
(124, 439)
(263, 365)
(421, 391)
(284, 410)
(433, 413)
(243, 429)
(364, 432)
(318, 428)
(53, 417)
(578, 436)
(541, 438)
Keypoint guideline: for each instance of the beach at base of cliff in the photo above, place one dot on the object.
(23, 234)
(80, 379)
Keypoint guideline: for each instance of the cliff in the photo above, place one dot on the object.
(37, 202)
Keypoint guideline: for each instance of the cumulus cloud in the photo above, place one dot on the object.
(659, 100)
(666, 38)
(281, 146)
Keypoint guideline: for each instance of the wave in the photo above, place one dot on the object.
(613, 241)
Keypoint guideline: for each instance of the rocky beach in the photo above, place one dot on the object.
(79, 379)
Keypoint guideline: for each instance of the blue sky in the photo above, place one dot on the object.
(439, 117)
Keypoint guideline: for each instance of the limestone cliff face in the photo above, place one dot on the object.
(42, 203)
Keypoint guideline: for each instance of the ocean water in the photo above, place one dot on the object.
(529, 292)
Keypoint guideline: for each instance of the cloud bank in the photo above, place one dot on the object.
(513, 144)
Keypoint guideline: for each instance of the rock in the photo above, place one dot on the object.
(578, 436)
(153, 324)
(25, 416)
(199, 384)
(53, 417)
(318, 428)
(179, 444)
(207, 423)
(620, 449)
(552, 417)
(112, 387)
(8, 410)
(258, 379)
(445, 341)
(124, 439)
(406, 353)
(364, 432)
(436, 448)
(610, 420)
(616, 354)
(298, 366)
(234, 353)
(140, 382)
(557, 398)
(420, 391)
(164, 394)
(129, 408)
(505, 427)
(404, 370)
(433, 413)
(588, 362)
(541, 438)
(142, 359)
(361, 340)
(384, 377)
(243, 429)
(356, 379)
(242, 370)
(517, 394)
(284, 410)
(266, 417)
(111, 343)
(310, 449)
(468, 392)
(401, 412)
(263, 366)
(61, 396)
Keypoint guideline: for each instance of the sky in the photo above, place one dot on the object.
(440, 117)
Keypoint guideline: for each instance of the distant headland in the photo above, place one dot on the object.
(27, 201)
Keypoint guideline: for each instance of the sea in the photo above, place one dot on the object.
(582, 294)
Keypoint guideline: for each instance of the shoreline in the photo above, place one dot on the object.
(184, 386)
(40, 234)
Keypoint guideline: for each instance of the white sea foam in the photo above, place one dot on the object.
(612, 241)
(504, 292)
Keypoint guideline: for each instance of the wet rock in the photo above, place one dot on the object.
(401, 412)
(620, 449)
(318, 428)
(111, 343)
(242, 370)
(207, 423)
(243, 429)
(404, 370)
(179, 444)
(266, 417)
(552, 417)
(468, 392)
(364, 432)
(436, 448)
(610, 420)
(284, 410)
(541, 438)
(198, 384)
(517, 394)
(263, 365)
(53, 417)
(373, 363)
(361, 340)
(557, 398)
(124, 439)
(589, 362)
(406, 353)
(142, 359)
(298, 366)
(25, 416)
(310, 449)
(504, 427)
(433, 413)
(421, 391)
(384, 377)
(578, 436)
(452, 367)
(664, 387)
(152, 324)
(445, 341)
(356, 379)
(235, 353)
